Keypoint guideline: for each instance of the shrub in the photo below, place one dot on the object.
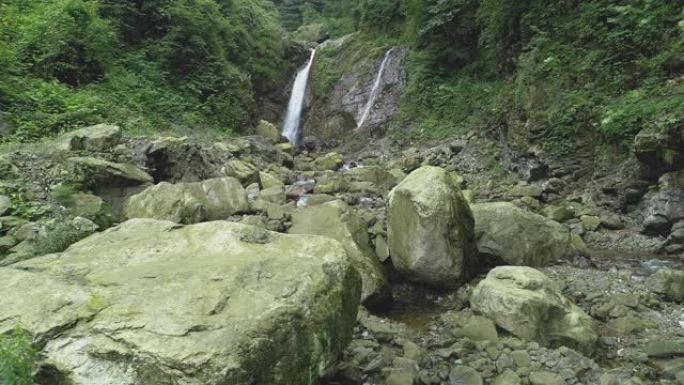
(17, 358)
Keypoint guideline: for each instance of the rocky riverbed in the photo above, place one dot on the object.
(392, 264)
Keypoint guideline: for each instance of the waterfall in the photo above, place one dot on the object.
(296, 104)
(375, 90)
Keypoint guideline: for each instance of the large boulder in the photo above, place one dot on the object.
(528, 304)
(95, 172)
(187, 203)
(660, 150)
(94, 138)
(152, 302)
(510, 235)
(338, 221)
(430, 229)
(268, 131)
(663, 207)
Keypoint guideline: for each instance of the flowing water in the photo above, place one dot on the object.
(296, 104)
(375, 90)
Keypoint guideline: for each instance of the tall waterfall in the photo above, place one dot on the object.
(296, 104)
(375, 90)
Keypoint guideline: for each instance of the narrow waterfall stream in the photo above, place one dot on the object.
(375, 91)
(296, 104)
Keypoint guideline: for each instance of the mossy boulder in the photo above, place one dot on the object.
(669, 283)
(268, 131)
(339, 221)
(510, 235)
(430, 229)
(379, 176)
(189, 202)
(331, 161)
(528, 304)
(245, 172)
(152, 302)
(96, 138)
(95, 172)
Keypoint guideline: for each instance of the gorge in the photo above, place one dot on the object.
(341, 192)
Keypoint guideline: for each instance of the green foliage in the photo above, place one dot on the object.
(59, 235)
(64, 195)
(26, 208)
(17, 358)
(557, 70)
(151, 65)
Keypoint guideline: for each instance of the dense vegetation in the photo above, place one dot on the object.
(17, 358)
(548, 69)
(553, 69)
(148, 65)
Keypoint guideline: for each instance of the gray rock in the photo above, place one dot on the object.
(430, 229)
(514, 236)
(189, 202)
(101, 173)
(528, 304)
(665, 206)
(230, 304)
(464, 375)
(478, 329)
(669, 283)
(546, 378)
(508, 377)
(97, 138)
(339, 221)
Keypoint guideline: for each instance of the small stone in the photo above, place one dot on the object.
(479, 329)
(508, 377)
(412, 351)
(590, 222)
(464, 375)
(521, 358)
(546, 378)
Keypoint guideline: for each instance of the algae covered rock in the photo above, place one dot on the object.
(331, 161)
(514, 236)
(528, 304)
(338, 221)
(268, 131)
(100, 137)
(430, 229)
(189, 202)
(102, 173)
(224, 302)
(669, 283)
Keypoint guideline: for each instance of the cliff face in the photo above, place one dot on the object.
(344, 85)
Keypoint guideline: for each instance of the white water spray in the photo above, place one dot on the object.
(296, 104)
(375, 90)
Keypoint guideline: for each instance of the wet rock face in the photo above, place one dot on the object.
(660, 151)
(528, 304)
(664, 207)
(430, 229)
(335, 116)
(215, 303)
(510, 235)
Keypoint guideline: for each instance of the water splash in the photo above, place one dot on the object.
(296, 104)
(375, 90)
